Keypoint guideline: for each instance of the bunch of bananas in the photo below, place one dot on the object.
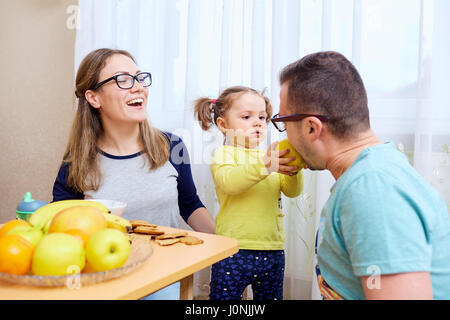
(43, 216)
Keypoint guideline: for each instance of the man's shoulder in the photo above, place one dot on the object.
(381, 165)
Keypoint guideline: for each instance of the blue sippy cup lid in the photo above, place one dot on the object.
(28, 204)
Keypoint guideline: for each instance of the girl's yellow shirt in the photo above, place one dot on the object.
(250, 198)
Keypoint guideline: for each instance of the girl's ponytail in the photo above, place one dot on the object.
(204, 112)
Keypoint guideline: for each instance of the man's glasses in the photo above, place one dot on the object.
(278, 121)
(126, 81)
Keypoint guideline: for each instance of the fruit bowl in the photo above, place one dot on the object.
(116, 207)
(141, 250)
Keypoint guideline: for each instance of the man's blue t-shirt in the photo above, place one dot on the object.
(382, 217)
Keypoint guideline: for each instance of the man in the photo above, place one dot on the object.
(385, 232)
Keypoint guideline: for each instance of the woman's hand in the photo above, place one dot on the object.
(274, 161)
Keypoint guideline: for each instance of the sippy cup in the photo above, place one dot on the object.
(27, 206)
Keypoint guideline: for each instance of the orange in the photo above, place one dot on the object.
(77, 233)
(12, 224)
(16, 255)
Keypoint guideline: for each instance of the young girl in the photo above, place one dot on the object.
(248, 186)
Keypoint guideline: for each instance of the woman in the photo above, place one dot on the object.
(114, 153)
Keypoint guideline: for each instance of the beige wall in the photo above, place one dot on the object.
(36, 91)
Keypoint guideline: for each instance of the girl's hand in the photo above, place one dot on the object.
(274, 161)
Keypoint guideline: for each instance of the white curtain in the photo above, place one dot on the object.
(199, 47)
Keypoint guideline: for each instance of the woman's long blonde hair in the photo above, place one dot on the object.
(82, 150)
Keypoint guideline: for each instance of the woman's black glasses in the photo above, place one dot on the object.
(126, 81)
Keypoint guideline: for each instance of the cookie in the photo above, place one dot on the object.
(137, 223)
(147, 230)
(167, 242)
(191, 240)
(172, 235)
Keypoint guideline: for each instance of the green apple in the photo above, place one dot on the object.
(58, 254)
(107, 249)
(298, 162)
(29, 233)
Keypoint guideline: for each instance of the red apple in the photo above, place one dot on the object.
(87, 219)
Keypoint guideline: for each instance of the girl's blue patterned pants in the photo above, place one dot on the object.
(262, 269)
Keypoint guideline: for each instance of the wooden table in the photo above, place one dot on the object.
(167, 265)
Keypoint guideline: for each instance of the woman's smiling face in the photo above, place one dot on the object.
(114, 103)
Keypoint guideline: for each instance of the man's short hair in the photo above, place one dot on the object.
(327, 83)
